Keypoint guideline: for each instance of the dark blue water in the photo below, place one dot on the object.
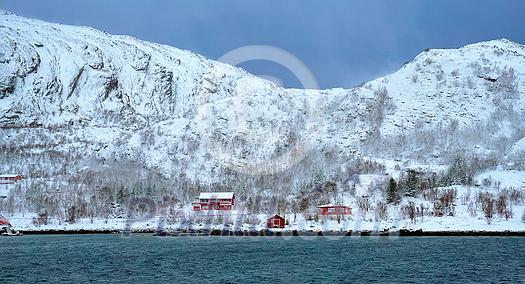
(148, 259)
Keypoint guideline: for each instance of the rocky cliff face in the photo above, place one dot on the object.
(92, 107)
(55, 75)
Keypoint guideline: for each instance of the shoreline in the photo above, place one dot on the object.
(400, 233)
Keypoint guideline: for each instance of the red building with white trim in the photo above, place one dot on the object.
(275, 222)
(214, 201)
(333, 210)
(6, 179)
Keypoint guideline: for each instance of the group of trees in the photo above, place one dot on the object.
(412, 182)
(66, 186)
(433, 188)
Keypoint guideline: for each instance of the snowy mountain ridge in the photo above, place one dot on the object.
(83, 95)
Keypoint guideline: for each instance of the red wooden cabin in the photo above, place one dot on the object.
(4, 179)
(333, 210)
(275, 222)
(214, 201)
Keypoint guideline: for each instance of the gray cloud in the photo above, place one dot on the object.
(343, 42)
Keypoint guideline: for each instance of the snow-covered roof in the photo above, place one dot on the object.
(276, 215)
(208, 195)
(9, 175)
(330, 205)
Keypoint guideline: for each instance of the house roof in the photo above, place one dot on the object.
(9, 175)
(275, 216)
(220, 195)
(330, 205)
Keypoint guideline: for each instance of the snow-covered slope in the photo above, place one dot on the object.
(474, 95)
(94, 108)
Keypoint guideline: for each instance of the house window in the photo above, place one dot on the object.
(318, 209)
(342, 210)
(331, 209)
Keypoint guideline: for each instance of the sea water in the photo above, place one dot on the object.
(143, 258)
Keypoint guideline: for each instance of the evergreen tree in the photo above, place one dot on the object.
(150, 191)
(457, 173)
(391, 191)
(434, 180)
(411, 183)
(137, 189)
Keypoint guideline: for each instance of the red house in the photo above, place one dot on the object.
(214, 201)
(5, 179)
(275, 222)
(333, 210)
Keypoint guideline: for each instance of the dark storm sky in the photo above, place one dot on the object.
(343, 42)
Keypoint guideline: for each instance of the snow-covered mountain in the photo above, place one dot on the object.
(100, 109)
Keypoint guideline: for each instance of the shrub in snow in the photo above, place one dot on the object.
(471, 208)
(42, 219)
(516, 196)
(363, 204)
(444, 202)
(507, 213)
(465, 198)
(380, 211)
(409, 210)
(77, 211)
(503, 207)
(219, 219)
(488, 205)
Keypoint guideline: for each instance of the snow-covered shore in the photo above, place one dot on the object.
(463, 220)
(447, 224)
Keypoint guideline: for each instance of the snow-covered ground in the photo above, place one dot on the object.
(462, 220)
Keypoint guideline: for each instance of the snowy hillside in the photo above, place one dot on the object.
(102, 116)
(75, 89)
(460, 101)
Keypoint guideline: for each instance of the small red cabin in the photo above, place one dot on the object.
(214, 201)
(5, 179)
(333, 210)
(275, 222)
